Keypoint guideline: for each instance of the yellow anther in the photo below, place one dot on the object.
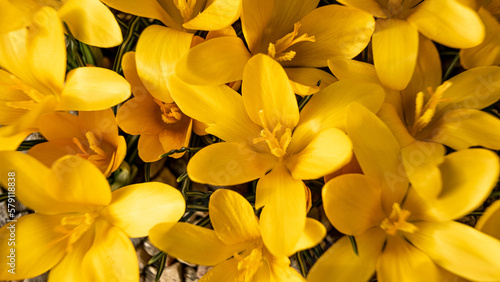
(277, 50)
(170, 112)
(94, 144)
(83, 152)
(397, 221)
(425, 113)
(185, 7)
(278, 148)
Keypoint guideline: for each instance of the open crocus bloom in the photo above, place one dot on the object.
(488, 52)
(183, 14)
(397, 233)
(80, 230)
(32, 79)
(90, 135)
(89, 21)
(395, 40)
(235, 246)
(266, 138)
(293, 32)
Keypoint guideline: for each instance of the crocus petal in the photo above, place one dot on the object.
(391, 117)
(328, 108)
(112, 256)
(283, 217)
(224, 271)
(476, 88)
(101, 123)
(213, 62)
(220, 107)
(228, 163)
(489, 222)
(38, 247)
(140, 115)
(146, 8)
(314, 232)
(353, 203)
(448, 22)
(344, 68)
(137, 208)
(48, 152)
(488, 52)
(192, 243)
(176, 136)
(401, 261)
(92, 89)
(468, 178)
(13, 18)
(264, 22)
(328, 151)
(58, 125)
(266, 88)
(340, 263)
(369, 6)
(459, 248)
(218, 15)
(10, 141)
(304, 81)
(378, 153)
(232, 217)
(395, 49)
(150, 148)
(158, 50)
(338, 31)
(91, 22)
(464, 128)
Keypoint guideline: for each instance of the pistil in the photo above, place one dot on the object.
(277, 50)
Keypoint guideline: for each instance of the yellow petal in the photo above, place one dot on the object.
(395, 49)
(150, 148)
(400, 261)
(338, 31)
(92, 89)
(353, 203)
(266, 88)
(213, 62)
(464, 128)
(13, 18)
(328, 108)
(192, 243)
(448, 22)
(10, 141)
(232, 217)
(421, 162)
(370, 6)
(137, 208)
(283, 217)
(91, 22)
(340, 263)
(220, 107)
(59, 125)
(488, 52)
(314, 232)
(112, 256)
(328, 151)
(48, 152)
(344, 68)
(147, 8)
(228, 163)
(264, 22)
(140, 115)
(224, 271)
(158, 50)
(176, 136)
(390, 116)
(101, 123)
(304, 81)
(489, 222)
(459, 248)
(218, 15)
(33, 245)
(378, 153)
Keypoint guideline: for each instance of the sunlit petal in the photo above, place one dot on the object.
(314, 232)
(489, 222)
(304, 81)
(58, 125)
(370, 6)
(218, 15)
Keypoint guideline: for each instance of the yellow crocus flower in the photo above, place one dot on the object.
(80, 230)
(235, 247)
(33, 79)
(398, 234)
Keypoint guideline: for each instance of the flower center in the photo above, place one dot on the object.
(36, 97)
(75, 225)
(248, 264)
(277, 50)
(278, 148)
(397, 221)
(185, 8)
(99, 153)
(170, 113)
(424, 113)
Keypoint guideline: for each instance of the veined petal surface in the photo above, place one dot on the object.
(217, 15)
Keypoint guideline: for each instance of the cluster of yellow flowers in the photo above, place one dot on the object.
(391, 140)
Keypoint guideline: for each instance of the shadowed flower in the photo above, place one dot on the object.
(395, 40)
(89, 21)
(397, 233)
(266, 138)
(90, 135)
(80, 230)
(235, 246)
(293, 32)
(32, 81)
